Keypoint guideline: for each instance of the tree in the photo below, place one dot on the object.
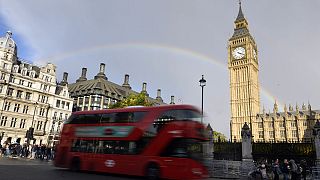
(140, 99)
(217, 136)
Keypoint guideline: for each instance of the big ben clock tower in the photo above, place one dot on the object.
(243, 70)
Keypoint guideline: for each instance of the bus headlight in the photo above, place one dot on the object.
(196, 171)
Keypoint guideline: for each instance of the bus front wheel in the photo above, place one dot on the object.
(75, 164)
(153, 172)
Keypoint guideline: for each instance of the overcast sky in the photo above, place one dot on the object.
(170, 43)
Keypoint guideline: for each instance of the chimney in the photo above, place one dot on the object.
(126, 82)
(83, 76)
(172, 100)
(159, 95)
(64, 79)
(144, 88)
(101, 72)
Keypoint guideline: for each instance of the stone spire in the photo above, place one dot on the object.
(285, 108)
(290, 107)
(297, 107)
(275, 107)
(240, 16)
(309, 106)
(304, 108)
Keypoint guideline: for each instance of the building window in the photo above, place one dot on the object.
(68, 105)
(39, 125)
(19, 94)
(21, 82)
(271, 125)
(260, 125)
(271, 134)
(11, 79)
(58, 104)
(3, 120)
(55, 115)
(294, 133)
(293, 124)
(305, 123)
(13, 122)
(28, 95)
(45, 87)
(260, 134)
(281, 124)
(60, 117)
(25, 109)
(29, 84)
(16, 107)
(10, 92)
(42, 111)
(1, 87)
(22, 123)
(3, 76)
(7, 106)
(5, 66)
(62, 104)
(282, 133)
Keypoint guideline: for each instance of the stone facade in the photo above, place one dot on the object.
(289, 125)
(29, 96)
(99, 93)
(243, 72)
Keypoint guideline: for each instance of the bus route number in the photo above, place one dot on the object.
(110, 163)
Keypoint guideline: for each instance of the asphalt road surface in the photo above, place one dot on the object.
(25, 169)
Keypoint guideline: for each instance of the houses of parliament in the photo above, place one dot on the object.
(293, 124)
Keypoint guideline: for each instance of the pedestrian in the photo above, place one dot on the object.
(276, 169)
(263, 170)
(285, 169)
(303, 165)
(294, 170)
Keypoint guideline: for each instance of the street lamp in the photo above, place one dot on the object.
(202, 82)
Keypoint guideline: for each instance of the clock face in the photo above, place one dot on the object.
(238, 52)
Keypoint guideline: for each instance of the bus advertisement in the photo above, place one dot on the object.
(156, 142)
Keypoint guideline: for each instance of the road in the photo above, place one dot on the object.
(26, 169)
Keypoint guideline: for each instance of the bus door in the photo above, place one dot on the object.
(174, 160)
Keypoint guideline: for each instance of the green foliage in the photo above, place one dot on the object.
(140, 99)
(217, 136)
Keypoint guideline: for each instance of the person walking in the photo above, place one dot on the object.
(276, 169)
(303, 165)
(285, 169)
(294, 170)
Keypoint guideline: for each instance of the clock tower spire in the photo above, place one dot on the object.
(243, 72)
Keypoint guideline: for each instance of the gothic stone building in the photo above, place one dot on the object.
(30, 97)
(99, 93)
(243, 67)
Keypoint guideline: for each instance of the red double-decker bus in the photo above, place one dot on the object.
(156, 142)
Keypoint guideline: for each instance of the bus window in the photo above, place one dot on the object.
(128, 117)
(107, 118)
(84, 119)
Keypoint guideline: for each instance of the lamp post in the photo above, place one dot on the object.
(202, 82)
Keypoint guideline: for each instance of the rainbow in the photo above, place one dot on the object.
(161, 48)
